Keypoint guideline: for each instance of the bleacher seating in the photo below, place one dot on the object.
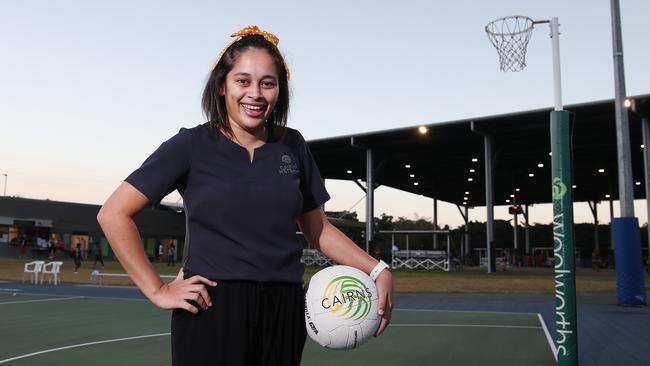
(421, 259)
(313, 257)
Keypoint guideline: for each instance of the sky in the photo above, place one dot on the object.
(88, 89)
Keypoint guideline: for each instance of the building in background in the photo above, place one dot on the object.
(39, 221)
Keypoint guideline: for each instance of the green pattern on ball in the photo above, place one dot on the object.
(351, 291)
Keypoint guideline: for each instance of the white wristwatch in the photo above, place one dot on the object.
(377, 270)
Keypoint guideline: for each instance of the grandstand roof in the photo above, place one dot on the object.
(441, 160)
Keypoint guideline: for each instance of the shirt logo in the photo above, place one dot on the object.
(286, 166)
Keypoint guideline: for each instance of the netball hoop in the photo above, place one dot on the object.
(510, 36)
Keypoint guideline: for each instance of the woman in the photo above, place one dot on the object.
(246, 180)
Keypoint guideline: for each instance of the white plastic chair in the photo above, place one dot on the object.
(52, 269)
(33, 268)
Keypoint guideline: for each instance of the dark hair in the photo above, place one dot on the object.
(214, 105)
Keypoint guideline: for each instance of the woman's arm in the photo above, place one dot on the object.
(325, 237)
(116, 219)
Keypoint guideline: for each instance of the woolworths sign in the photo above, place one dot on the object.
(566, 337)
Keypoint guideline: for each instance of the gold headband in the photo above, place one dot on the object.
(252, 30)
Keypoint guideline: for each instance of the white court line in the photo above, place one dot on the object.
(465, 311)
(87, 297)
(466, 326)
(82, 345)
(548, 336)
(21, 294)
(40, 300)
(114, 298)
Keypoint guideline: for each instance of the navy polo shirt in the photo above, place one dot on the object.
(240, 215)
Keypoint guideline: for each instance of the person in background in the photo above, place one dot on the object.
(22, 251)
(506, 259)
(51, 245)
(595, 260)
(171, 255)
(160, 251)
(77, 257)
(97, 251)
(61, 246)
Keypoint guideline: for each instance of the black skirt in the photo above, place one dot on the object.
(249, 323)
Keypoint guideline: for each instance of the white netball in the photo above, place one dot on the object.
(341, 308)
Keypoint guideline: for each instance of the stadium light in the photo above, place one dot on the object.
(416, 183)
(540, 165)
(423, 130)
(349, 171)
(601, 170)
(531, 175)
(470, 179)
(474, 160)
(407, 166)
(627, 103)
(412, 175)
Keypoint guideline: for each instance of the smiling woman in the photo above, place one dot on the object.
(252, 73)
(246, 180)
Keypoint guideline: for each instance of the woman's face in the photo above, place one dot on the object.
(251, 89)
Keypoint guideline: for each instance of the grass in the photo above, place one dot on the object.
(468, 280)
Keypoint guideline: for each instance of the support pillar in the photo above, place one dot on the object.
(645, 128)
(466, 231)
(611, 223)
(464, 249)
(435, 222)
(527, 231)
(630, 287)
(515, 225)
(489, 204)
(370, 200)
(489, 197)
(593, 205)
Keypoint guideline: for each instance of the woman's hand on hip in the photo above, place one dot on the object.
(180, 291)
(385, 291)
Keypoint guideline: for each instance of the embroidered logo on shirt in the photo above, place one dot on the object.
(287, 167)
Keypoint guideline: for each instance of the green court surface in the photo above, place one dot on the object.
(42, 330)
